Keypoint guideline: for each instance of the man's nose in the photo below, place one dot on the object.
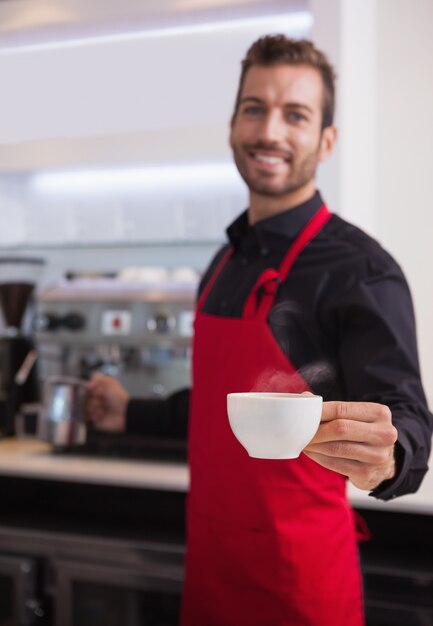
(273, 127)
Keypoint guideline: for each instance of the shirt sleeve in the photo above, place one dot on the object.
(159, 417)
(379, 363)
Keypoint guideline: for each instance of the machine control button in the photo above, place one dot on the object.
(161, 323)
(186, 323)
(73, 321)
(47, 322)
(44, 322)
(116, 322)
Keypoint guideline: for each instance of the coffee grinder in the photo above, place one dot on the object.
(18, 375)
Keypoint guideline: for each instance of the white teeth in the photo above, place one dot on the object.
(269, 159)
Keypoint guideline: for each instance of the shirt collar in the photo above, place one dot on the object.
(285, 224)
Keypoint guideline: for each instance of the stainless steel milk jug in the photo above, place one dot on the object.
(62, 421)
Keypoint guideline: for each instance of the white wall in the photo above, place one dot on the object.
(147, 96)
(405, 153)
(346, 31)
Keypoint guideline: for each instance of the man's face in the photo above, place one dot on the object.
(276, 134)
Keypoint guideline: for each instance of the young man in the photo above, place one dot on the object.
(299, 300)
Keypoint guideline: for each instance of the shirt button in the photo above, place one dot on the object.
(244, 260)
(264, 251)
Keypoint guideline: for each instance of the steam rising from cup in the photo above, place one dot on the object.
(288, 324)
(310, 377)
(279, 382)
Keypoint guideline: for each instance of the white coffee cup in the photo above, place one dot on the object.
(274, 425)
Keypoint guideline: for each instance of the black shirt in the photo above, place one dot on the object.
(344, 318)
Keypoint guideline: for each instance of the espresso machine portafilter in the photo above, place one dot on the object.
(18, 375)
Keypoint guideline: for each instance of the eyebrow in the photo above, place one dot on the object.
(251, 99)
(289, 105)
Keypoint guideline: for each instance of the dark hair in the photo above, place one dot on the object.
(279, 50)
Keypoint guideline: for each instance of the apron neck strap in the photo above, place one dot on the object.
(270, 279)
(210, 283)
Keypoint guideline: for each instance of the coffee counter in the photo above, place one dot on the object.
(30, 458)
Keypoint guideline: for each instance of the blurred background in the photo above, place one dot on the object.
(103, 102)
(116, 186)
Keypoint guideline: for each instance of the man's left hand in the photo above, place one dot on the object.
(356, 439)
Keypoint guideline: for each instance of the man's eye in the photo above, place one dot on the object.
(294, 116)
(253, 110)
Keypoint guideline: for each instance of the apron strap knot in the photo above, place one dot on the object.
(271, 279)
(272, 286)
(268, 281)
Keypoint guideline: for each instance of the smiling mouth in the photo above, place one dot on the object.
(271, 160)
(269, 156)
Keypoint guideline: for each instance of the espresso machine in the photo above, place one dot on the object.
(129, 326)
(18, 372)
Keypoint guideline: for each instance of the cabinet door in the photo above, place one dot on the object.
(100, 595)
(401, 597)
(17, 588)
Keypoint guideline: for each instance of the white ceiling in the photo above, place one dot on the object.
(25, 21)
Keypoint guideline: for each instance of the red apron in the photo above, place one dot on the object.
(270, 542)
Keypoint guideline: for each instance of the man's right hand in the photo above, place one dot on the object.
(106, 403)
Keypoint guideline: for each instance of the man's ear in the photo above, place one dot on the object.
(327, 142)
